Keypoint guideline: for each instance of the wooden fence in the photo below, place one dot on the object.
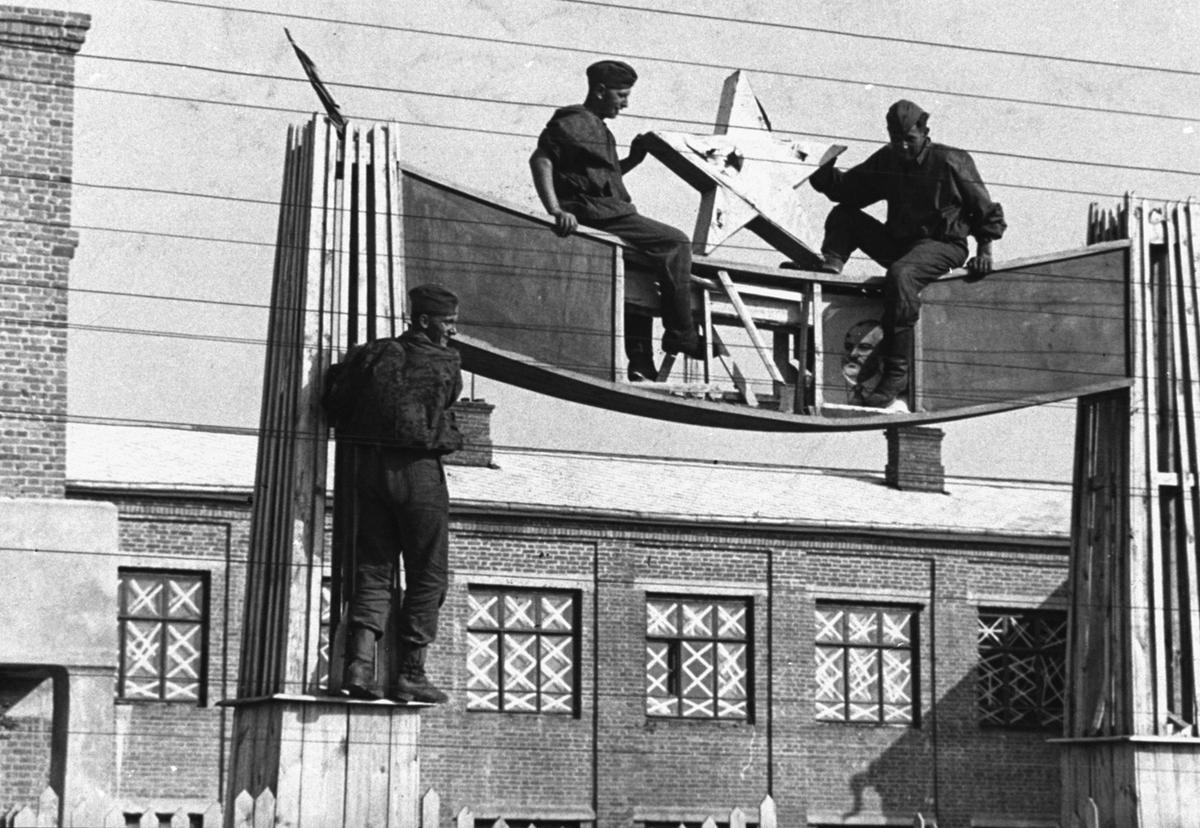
(259, 812)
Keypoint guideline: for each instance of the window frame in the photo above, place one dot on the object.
(576, 648)
(675, 643)
(913, 648)
(1040, 614)
(204, 622)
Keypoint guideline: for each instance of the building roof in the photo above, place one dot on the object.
(138, 459)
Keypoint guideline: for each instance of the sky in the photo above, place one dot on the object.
(182, 110)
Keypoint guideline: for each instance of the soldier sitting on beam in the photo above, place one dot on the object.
(579, 180)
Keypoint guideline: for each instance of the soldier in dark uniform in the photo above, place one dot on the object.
(935, 200)
(580, 181)
(390, 400)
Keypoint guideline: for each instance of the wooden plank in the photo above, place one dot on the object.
(365, 306)
(1189, 269)
(756, 339)
(264, 810)
(521, 288)
(431, 809)
(323, 773)
(404, 768)
(818, 345)
(1024, 331)
(1175, 526)
(1156, 330)
(289, 749)
(367, 772)
(706, 310)
(618, 315)
(379, 254)
(1142, 707)
(398, 283)
(802, 345)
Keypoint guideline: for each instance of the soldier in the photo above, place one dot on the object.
(935, 200)
(580, 181)
(390, 400)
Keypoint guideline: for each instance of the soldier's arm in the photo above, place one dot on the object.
(542, 167)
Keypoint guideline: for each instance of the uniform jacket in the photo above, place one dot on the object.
(397, 392)
(940, 196)
(587, 172)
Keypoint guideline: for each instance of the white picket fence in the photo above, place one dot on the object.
(259, 812)
(102, 813)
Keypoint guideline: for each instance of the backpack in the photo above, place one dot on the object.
(385, 393)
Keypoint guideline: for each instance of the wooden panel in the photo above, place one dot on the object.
(367, 771)
(522, 288)
(1036, 328)
(323, 774)
(404, 770)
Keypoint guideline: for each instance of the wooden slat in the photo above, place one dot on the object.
(404, 805)
(380, 255)
(396, 260)
(431, 809)
(323, 773)
(756, 339)
(1142, 715)
(367, 770)
(289, 749)
(617, 313)
(364, 312)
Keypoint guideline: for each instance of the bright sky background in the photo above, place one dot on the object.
(472, 82)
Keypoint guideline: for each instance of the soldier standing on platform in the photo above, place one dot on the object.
(935, 200)
(580, 181)
(390, 401)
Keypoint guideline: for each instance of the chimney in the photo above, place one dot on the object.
(475, 422)
(37, 60)
(915, 459)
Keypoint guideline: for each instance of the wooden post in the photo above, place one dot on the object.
(300, 756)
(1131, 752)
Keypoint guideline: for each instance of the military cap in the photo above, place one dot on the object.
(614, 74)
(903, 115)
(432, 299)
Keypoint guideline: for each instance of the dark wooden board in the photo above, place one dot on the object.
(521, 288)
(1044, 327)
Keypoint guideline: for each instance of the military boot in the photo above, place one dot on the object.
(897, 351)
(358, 677)
(412, 685)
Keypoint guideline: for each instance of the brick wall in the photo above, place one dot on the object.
(37, 51)
(612, 756)
(26, 737)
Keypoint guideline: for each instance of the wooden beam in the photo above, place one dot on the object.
(731, 367)
(748, 323)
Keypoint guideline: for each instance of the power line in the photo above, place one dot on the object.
(832, 79)
(903, 41)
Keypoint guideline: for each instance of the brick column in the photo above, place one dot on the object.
(475, 422)
(37, 81)
(915, 459)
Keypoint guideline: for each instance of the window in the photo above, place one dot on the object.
(163, 619)
(698, 657)
(1022, 667)
(864, 664)
(522, 651)
(324, 635)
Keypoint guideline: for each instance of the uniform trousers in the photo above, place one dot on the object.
(671, 251)
(402, 512)
(911, 263)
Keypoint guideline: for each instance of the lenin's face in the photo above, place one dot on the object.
(861, 343)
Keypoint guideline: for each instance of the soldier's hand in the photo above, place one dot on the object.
(979, 266)
(565, 223)
(638, 148)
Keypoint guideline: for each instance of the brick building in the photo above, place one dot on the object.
(643, 643)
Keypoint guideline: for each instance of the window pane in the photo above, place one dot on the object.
(660, 618)
(184, 598)
(1021, 673)
(702, 669)
(483, 671)
(143, 596)
(513, 664)
(863, 664)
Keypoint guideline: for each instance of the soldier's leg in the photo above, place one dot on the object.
(375, 555)
(848, 229)
(426, 545)
(671, 251)
(924, 262)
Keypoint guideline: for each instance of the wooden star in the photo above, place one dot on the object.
(747, 175)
